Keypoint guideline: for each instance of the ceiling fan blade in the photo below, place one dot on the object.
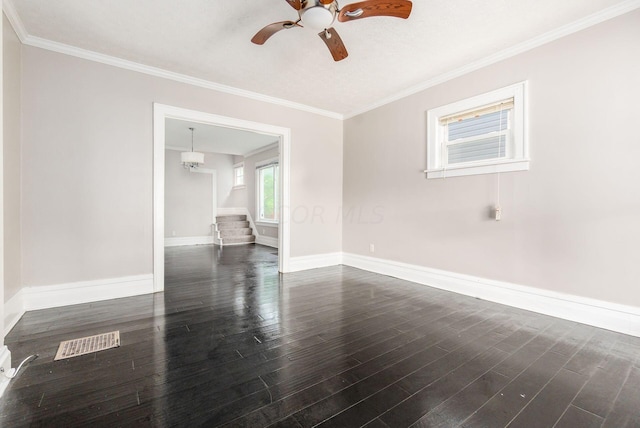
(296, 4)
(271, 29)
(334, 43)
(368, 8)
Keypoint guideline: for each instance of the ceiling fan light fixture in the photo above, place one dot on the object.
(321, 14)
(318, 17)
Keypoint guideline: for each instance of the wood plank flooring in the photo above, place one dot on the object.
(233, 343)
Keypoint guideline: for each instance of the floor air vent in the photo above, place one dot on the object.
(87, 345)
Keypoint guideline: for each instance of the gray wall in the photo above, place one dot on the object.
(188, 195)
(11, 69)
(571, 224)
(87, 192)
(187, 199)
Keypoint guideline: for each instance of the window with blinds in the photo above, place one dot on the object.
(477, 135)
(480, 135)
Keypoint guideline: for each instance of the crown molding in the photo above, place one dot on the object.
(581, 24)
(170, 75)
(14, 19)
(38, 42)
(261, 149)
(251, 153)
(176, 148)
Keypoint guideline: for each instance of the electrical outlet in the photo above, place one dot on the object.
(372, 248)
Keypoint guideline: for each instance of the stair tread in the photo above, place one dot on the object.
(235, 232)
(230, 218)
(232, 225)
(238, 239)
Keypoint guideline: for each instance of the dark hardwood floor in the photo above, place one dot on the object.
(233, 343)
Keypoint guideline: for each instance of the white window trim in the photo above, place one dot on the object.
(259, 165)
(520, 160)
(238, 186)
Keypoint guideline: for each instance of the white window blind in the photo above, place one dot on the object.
(479, 135)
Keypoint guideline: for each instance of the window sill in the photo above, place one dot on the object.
(239, 187)
(458, 171)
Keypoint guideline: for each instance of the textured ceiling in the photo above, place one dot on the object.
(210, 39)
(214, 139)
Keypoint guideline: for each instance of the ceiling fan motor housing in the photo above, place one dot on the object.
(321, 14)
(318, 14)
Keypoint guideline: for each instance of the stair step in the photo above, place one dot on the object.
(225, 233)
(239, 240)
(232, 225)
(227, 218)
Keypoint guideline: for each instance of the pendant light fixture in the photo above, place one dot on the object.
(192, 159)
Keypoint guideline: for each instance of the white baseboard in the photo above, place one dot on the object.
(14, 309)
(53, 296)
(5, 363)
(610, 316)
(188, 240)
(267, 240)
(315, 261)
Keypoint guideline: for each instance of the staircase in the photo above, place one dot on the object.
(232, 230)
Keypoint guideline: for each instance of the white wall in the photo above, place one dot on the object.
(188, 195)
(188, 199)
(87, 141)
(570, 224)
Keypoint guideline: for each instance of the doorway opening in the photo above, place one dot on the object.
(164, 115)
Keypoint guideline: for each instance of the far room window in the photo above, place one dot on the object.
(268, 192)
(238, 175)
(479, 135)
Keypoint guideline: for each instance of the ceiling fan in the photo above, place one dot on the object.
(320, 15)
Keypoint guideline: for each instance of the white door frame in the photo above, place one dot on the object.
(5, 355)
(161, 112)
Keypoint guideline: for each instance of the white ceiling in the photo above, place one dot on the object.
(210, 40)
(213, 139)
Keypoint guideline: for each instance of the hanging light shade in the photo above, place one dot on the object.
(192, 159)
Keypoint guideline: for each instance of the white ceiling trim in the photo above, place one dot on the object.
(14, 19)
(50, 45)
(182, 78)
(581, 24)
(246, 155)
(177, 149)
(262, 149)
(596, 18)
